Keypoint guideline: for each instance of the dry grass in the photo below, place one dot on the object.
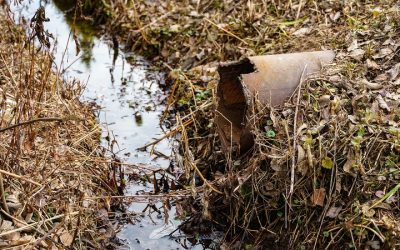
(346, 154)
(51, 161)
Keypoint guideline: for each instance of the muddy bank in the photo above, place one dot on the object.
(323, 172)
(53, 170)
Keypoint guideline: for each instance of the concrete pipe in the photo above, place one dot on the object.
(273, 78)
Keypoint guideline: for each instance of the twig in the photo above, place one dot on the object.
(2, 193)
(285, 125)
(381, 237)
(20, 221)
(38, 241)
(94, 130)
(204, 179)
(352, 239)
(155, 21)
(191, 163)
(46, 119)
(9, 71)
(295, 134)
(229, 158)
(16, 176)
(167, 135)
(299, 10)
(138, 23)
(227, 31)
(35, 223)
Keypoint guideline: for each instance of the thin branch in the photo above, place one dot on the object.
(3, 194)
(45, 119)
(167, 135)
(35, 223)
(227, 31)
(17, 176)
(295, 134)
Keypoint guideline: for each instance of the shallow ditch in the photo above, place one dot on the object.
(129, 92)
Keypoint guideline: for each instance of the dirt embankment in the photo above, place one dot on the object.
(53, 174)
(338, 136)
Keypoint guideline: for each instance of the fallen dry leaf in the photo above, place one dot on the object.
(394, 72)
(301, 154)
(302, 167)
(335, 17)
(348, 166)
(379, 193)
(66, 238)
(383, 53)
(25, 239)
(302, 32)
(372, 64)
(6, 225)
(370, 85)
(382, 103)
(353, 45)
(333, 212)
(357, 54)
(382, 77)
(318, 197)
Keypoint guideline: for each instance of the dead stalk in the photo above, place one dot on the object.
(292, 170)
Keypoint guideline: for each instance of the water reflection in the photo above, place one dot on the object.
(84, 33)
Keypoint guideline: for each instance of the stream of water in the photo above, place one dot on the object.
(127, 89)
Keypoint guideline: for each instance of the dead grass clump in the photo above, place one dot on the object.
(345, 153)
(52, 164)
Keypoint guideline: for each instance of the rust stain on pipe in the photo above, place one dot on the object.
(272, 77)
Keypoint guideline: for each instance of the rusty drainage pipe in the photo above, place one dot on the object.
(273, 78)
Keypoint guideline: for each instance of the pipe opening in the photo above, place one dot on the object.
(233, 104)
(231, 93)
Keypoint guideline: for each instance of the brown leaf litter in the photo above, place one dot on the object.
(349, 142)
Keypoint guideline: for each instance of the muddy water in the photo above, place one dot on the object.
(127, 89)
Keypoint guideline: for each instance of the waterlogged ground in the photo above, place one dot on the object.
(127, 89)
